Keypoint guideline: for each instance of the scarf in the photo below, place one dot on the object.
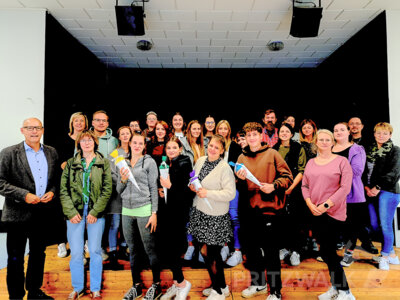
(374, 152)
(86, 180)
(207, 168)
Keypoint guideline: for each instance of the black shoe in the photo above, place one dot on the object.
(369, 247)
(123, 253)
(38, 294)
(113, 264)
(154, 292)
(134, 292)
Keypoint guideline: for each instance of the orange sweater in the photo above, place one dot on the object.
(268, 166)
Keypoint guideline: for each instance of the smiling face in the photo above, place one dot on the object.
(33, 130)
(356, 126)
(307, 130)
(195, 130)
(134, 126)
(100, 122)
(223, 130)
(341, 133)
(177, 123)
(172, 149)
(210, 123)
(151, 120)
(125, 135)
(160, 132)
(253, 139)
(137, 144)
(291, 121)
(271, 117)
(215, 150)
(79, 123)
(324, 142)
(285, 134)
(382, 136)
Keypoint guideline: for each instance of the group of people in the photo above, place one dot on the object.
(267, 192)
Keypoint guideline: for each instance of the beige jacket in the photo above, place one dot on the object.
(221, 188)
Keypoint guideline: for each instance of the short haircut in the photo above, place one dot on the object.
(73, 117)
(252, 126)
(269, 111)
(175, 139)
(343, 123)
(383, 126)
(220, 139)
(326, 131)
(100, 112)
(89, 134)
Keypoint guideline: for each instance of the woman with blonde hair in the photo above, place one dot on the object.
(326, 183)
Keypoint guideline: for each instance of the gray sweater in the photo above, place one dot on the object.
(146, 174)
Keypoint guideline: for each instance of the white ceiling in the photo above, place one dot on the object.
(210, 33)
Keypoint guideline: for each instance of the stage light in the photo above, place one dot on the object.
(130, 19)
(305, 19)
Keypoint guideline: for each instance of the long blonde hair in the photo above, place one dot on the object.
(73, 117)
(228, 139)
(199, 140)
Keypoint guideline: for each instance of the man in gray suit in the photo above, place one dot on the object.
(28, 180)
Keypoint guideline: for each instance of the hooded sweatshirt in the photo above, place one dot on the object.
(107, 143)
(268, 166)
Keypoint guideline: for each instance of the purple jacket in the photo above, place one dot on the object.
(357, 159)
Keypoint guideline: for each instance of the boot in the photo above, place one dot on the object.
(113, 264)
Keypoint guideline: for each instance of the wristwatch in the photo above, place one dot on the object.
(326, 205)
(378, 187)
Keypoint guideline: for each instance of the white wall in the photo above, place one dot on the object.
(22, 51)
(393, 43)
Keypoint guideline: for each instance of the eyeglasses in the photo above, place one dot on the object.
(31, 128)
(355, 123)
(210, 122)
(100, 120)
(86, 141)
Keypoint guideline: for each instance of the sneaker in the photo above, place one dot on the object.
(345, 295)
(170, 293)
(295, 259)
(133, 293)
(384, 264)
(215, 296)
(254, 290)
(330, 294)
(283, 253)
(224, 253)
(96, 295)
(189, 253)
(339, 245)
(347, 259)
(319, 258)
(154, 292)
(392, 260)
(225, 291)
(235, 259)
(274, 296)
(74, 295)
(183, 292)
(104, 255)
(369, 247)
(62, 250)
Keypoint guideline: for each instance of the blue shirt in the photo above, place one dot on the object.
(38, 164)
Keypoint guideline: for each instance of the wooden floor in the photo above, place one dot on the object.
(305, 281)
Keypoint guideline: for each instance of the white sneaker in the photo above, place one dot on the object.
(104, 254)
(384, 264)
(215, 296)
(224, 253)
(345, 295)
(189, 253)
(330, 294)
(392, 260)
(283, 253)
(170, 293)
(183, 292)
(225, 291)
(235, 259)
(295, 259)
(274, 297)
(254, 290)
(62, 250)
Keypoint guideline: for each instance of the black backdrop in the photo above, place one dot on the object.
(353, 81)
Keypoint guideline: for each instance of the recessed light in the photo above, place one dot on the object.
(275, 45)
(144, 45)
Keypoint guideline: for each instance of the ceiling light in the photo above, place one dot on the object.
(275, 46)
(144, 45)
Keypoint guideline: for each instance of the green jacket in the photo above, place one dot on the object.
(71, 187)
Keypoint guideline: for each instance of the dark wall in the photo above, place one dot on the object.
(345, 84)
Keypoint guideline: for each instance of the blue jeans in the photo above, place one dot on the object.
(113, 231)
(382, 215)
(75, 234)
(233, 212)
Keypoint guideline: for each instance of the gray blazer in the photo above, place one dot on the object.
(16, 181)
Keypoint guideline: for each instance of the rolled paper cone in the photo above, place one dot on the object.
(249, 175)
(197, 185)
(114, 153)
(121, 163)
(164, 174)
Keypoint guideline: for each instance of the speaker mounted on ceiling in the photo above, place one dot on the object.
(306, 19)
(130, 19)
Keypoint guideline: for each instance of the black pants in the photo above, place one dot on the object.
(326, 230)
(262, 250)
(17, 236)
(356, 224)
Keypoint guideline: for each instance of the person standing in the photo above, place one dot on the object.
(270, 132)
(326, 183)
(100, 123)
(28, 180)
(261, 210)
(151, 121)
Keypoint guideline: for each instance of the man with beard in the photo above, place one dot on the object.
(270, 132)
(107, 143)
(28, 180)
(356, 127)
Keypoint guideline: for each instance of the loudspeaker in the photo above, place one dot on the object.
(130, 20)
(305, 21)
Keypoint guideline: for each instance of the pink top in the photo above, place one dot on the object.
(330, 181)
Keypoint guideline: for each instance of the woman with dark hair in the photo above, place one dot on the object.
(211, 226)
(326, 183)
(139, 216)
(156, 146)
(208, 130)
(296, 220)
(115, 205)
(383, 189)
(290, 119)
(193, 144)
(178, 126)
(85, 189)
(355, 226)
(135, 126)
(173, 216)
(308, 130)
